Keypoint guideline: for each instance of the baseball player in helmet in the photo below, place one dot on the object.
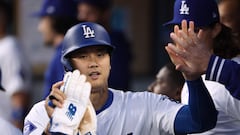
(87, 52)
(100, 11)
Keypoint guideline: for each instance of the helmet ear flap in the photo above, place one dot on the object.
(67, 65)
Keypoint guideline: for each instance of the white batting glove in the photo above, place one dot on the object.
(88, 125)
(66, 119)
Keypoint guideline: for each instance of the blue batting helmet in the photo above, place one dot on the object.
(83, 35)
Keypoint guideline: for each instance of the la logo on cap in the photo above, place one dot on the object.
(184, 10)
(88, 32)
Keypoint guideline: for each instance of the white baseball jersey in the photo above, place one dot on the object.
(5, 106)
(14, 67)
(140, 113)
(228, 122)
(8, 129)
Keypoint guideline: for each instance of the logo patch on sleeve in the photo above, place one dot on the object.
(29, 127)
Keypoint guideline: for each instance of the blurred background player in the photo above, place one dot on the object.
(15, 69)
(168, 82)
(56, 17)
(99, 11)
(6, 127)
(219, 39)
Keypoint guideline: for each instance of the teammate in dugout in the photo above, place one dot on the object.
(228, 73)
(55, 18)
(87, 48)
(202, 29)
(169, 82)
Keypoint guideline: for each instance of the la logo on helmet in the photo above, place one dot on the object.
(87, 32)
(184, 9)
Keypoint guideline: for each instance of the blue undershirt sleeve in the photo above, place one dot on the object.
(200, 114)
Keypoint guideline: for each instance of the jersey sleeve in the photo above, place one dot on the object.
(164, 111)
(226, 72)
(232, 108)
(37, 120)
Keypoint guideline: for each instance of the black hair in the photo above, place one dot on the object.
(102, 5)
(226, 44)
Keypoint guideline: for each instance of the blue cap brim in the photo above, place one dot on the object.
(170, 23)
(174, 22)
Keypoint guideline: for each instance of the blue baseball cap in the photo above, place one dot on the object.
(101, 4)
(202, 12)
(62, 8)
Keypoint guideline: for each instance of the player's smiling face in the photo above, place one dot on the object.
(94, 62)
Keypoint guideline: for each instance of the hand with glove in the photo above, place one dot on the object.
(66, 117)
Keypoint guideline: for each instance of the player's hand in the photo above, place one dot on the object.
(175, 58)
(89, 121)
(193, 55)
(77, 90)
(174, 49)
(55, 99)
